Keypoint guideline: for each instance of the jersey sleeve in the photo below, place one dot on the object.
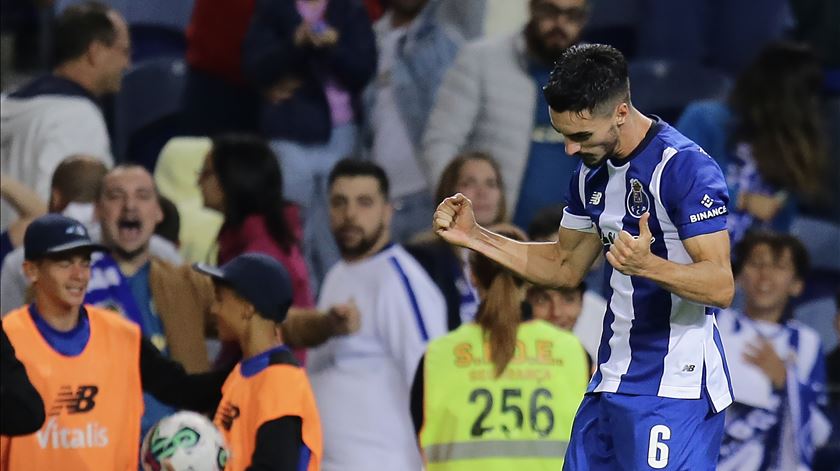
(574, 215)
(694, 193)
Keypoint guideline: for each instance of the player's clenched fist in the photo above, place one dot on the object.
(454, 220)
(631, 255)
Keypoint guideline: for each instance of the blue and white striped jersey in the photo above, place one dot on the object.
(653, 342)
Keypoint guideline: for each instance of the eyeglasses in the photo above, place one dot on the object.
(544, 11)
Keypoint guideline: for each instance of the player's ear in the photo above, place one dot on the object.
(622, 110)
(248, 310)
(30, 269)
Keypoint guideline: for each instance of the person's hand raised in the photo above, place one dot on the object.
(454, 220)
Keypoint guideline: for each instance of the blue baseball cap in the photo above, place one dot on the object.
(259, 279)
(53, 234)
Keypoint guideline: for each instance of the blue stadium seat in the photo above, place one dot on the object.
(147, 110)
(664, 87)
(157, 27)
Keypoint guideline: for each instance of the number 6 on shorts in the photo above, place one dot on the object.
(658, 451)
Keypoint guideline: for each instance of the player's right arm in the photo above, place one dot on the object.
(554, 264)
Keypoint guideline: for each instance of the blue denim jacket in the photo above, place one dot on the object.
(423, 56)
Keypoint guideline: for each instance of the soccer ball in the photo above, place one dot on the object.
(187, 441)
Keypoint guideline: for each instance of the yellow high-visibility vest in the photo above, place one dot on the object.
(520, 420)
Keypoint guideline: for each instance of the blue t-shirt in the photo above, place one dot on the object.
(149, 319)
(153, 330)
(71, 343)
(549, 167)
(654, 342)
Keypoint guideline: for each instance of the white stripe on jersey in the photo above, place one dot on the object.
(717, 383)
(621, 301)
(686, 318)
(690, 326)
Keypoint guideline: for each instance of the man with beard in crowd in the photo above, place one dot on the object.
(491, 99)
(362, 381)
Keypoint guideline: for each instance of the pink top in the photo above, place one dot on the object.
(339, 99)
(253, 236)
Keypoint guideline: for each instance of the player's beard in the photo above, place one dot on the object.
(361, 247)
(593, 161)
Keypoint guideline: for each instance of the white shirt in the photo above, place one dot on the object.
(362, 382)
(39, 132)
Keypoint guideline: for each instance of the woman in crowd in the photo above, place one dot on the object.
(477, 176)
(242, 180)
(534, 371)
(768, 138)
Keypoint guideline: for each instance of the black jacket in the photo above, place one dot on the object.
(269, 55)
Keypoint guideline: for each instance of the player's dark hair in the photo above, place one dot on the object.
(449, 179)
(588, 77)
(252, 183)
(778, 243)
(500, 311)
(777, 104)
(360, 168)
(78, 27)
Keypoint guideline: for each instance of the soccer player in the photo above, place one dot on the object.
(267, 414)
(89, 365)
(656, 204)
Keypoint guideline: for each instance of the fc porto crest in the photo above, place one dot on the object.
(638, 202)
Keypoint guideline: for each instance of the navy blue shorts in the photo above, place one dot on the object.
(615, 432)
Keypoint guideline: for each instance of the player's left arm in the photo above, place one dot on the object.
(707, 280)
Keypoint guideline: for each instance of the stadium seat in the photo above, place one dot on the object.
(176, 176)
(157, 27)
(150, 41)
(147, 110)
(664, 87)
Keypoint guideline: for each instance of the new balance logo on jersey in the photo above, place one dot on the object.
(75, 402)
(92, 435)
(595, 199)
(688, 369)
(707, 201)
(702, 216)
(227, 414)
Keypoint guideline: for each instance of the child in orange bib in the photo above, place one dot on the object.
(89, 365)
(268, 413)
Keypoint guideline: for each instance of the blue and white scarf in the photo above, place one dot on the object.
(768, 428)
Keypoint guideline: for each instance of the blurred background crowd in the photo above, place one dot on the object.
(184, 131)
